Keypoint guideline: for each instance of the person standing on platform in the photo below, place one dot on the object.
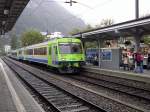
(125, 62)
(139, 62)
(142, 64)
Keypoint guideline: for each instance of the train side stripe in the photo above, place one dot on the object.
(38, 60)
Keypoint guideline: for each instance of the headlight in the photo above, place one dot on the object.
(63, 59)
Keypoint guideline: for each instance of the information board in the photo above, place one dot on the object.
(106, 54)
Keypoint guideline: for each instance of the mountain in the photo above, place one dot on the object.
(47, 16)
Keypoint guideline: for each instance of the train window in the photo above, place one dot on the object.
(44, 50)
(76, 48)
(35, 51)
(14, 54)
(26, 52)
(64, 48)
(29, 51)
(70, 48)
(20, 52)
(40, 51)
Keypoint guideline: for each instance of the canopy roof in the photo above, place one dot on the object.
(139, 26)
(10, 10)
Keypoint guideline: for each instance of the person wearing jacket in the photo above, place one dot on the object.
(139, 62)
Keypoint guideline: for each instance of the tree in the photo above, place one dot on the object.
(31, 37)
(145, 15)
(104, 22)
(88, 27)
(14, 42)
(92, 44)
(77, 30)
(74, 31)
(147, 40)
(107, 22)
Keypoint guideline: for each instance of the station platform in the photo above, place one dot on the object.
(13, 95)
(144, 77)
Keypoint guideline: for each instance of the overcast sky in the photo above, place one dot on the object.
(93, 11)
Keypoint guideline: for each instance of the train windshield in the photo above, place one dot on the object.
(70, 48)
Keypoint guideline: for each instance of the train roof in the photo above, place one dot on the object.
(37, 45)
(47, 42)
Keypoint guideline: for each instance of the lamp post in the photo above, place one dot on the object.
(137, 36)
(136, 9)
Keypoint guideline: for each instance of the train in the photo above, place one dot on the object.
(65, 54)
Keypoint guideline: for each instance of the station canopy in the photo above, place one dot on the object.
(139, 26)
(10, 10)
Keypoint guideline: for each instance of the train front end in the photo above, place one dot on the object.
(71, 55)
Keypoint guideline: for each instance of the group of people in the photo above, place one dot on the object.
(134, 61)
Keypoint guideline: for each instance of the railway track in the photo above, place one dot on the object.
(136, 92)
(109, 96)
(58, 99)
(129, 95)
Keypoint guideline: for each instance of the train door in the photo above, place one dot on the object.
(49, 55)
(54, 55)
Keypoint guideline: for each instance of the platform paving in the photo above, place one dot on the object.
(146, 72)
(6, 101)
(142, 77)
(13, 95)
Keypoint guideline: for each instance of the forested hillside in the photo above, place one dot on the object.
(47, 16)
